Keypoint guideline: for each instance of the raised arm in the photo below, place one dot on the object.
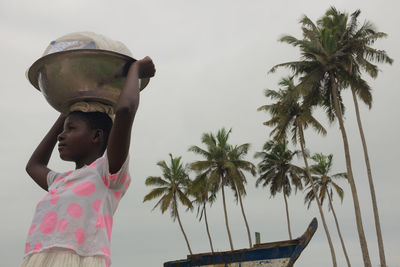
(37, 164)
(120, 135)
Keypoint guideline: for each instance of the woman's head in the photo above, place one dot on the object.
(84, 133)
(96, 120)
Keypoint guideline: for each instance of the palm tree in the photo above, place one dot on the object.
(289, 114)
(172, 188)
(215, 166)
(222, 166)
(364, 55)
(238, 179)
(324, 182)
(330, 62)
(201, 191)
(278, 172)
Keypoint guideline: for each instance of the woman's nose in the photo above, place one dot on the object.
(60, 137)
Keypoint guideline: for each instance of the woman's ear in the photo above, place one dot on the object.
(98, 136)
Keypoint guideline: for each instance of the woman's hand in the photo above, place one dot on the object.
(145, 67)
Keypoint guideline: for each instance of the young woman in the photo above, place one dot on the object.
(72, 223)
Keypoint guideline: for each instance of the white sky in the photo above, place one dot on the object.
(212, 59)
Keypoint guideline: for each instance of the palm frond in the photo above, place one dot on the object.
(199, 151)
(155, 181)
(155, 193)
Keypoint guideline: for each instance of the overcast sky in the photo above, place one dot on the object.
(212, 59)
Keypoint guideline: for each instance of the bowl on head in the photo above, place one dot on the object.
(72, 76)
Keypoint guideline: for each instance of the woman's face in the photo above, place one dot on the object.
(75, 141)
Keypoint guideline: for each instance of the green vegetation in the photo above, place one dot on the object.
(336, 52)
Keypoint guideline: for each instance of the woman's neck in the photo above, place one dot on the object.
(86, 161)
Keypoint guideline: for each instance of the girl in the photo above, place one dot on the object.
(72, 223)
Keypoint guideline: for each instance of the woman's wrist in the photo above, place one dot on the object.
(134, 68)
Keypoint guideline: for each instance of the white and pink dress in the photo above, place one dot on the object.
(76, 215)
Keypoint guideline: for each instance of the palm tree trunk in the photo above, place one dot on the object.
(208, 231)
(226, 218)
(338, 229)
(371, 185)
(244, 217)
(180, 225)
(287, 214)
(328, 236)
(360, 228)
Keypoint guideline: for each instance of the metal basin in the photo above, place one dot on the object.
(67, 77)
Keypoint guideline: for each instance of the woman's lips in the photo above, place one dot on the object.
(61, 146)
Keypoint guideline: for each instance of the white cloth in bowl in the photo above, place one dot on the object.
(86, 40)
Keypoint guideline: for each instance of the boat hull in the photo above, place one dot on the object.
(274, 254)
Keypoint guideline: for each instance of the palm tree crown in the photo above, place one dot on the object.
(324, 181)
(277, 170)
(289, 113)
(172, 188)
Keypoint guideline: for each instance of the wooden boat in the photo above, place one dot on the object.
(274, 254)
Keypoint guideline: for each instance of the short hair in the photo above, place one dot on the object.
(96, 120)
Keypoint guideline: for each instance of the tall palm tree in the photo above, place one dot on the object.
(331, 62)
(223, 165)
(171, 189)
(215, 166)
(202, 194)
(364, 56)
(238, 179)
(324, 182)
(278, 172)
(290, 113)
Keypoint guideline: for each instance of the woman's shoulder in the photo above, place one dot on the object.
(98, 162)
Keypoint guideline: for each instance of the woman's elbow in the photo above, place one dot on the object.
(28, 166)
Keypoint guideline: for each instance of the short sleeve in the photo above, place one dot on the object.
(51, 177)
(119, 180)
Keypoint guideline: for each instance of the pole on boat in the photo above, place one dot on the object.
(257, 238)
